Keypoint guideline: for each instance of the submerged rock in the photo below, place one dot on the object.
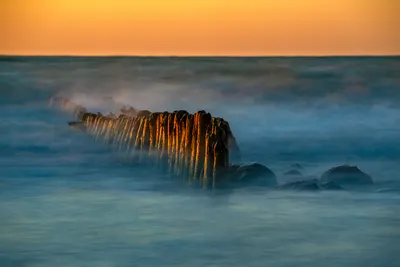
(253, 174)
(331, 186)
(293, 173)
(309, 185)
(346, 175)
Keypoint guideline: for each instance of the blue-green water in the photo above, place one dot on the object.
(67, 201)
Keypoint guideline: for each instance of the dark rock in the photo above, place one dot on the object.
(253, 174)
(293, 173)
(331, 186)
(346, 175)
(308, 185)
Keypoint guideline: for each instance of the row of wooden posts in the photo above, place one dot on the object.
(195, 147)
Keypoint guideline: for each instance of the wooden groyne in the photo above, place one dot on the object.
(195, 147)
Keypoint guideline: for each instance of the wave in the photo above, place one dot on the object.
(303, 81)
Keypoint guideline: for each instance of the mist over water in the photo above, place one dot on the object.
(66, 200)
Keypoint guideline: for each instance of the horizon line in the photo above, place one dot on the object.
(197, 56)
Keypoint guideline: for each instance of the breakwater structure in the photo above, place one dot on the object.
(195, 147)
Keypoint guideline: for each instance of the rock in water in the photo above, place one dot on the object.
(293, 173)
(309, 185)
(254, 174)
(331, 186)
(346, 175)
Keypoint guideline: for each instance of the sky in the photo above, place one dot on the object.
(200, 27)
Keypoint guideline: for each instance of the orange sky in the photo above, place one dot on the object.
(200, 27)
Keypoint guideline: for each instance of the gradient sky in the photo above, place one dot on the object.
(200, 27)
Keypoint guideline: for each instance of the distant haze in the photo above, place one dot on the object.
(206, 27)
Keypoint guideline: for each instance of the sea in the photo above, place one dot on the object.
(67, 200)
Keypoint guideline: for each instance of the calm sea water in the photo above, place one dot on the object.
(67, 201)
